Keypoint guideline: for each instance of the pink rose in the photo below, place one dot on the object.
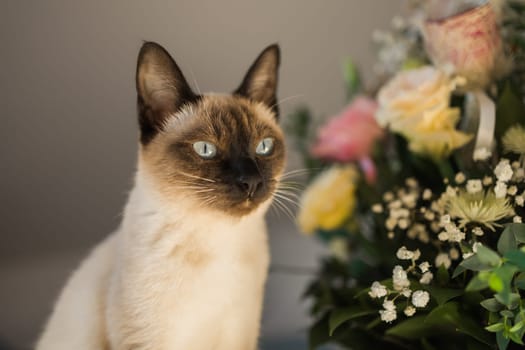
(468, 41)
(350, 136)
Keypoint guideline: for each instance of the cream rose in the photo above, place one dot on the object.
(415, 104)
(329, 200)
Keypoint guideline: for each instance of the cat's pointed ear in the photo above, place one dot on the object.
(161, 89)
(260, 83)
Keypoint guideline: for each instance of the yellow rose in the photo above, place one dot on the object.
(329, 200)
(415, 104)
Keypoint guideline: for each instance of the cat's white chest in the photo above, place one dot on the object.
(198, 288)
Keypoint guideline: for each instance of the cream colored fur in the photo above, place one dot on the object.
(171, 277)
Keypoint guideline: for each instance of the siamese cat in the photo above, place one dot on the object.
(186, 269)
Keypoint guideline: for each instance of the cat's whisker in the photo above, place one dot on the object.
(195, 82)
(195, 176)
(295, 173)
(283, 207)
(288, 193)
(291, 186)
(287, 199)
(285, 99)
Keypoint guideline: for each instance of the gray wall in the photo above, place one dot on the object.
(68, 126)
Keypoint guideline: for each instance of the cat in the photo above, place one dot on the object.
(186, 269)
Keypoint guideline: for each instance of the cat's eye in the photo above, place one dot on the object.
(205, 149)
(264, 147)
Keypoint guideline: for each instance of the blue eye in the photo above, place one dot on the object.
(205, 149)
(264, 147)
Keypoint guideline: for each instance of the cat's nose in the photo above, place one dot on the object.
(250, 184)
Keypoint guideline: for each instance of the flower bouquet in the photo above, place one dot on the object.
(419, 187)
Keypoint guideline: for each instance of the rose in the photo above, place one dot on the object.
(415, 104)
(329, 200)
(466, 40)
(350, 136)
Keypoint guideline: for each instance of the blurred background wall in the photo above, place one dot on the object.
(68, 127)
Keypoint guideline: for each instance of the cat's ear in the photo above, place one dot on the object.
(260, 83)
(161, 89)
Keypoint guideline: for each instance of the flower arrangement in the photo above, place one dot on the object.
(419, 187)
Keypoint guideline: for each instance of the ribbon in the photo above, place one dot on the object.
(487, 125)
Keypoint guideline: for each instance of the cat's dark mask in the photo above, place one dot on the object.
(225, 152)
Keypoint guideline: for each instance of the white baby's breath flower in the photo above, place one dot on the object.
(427, 194)
(430, 216)
(445, 219)
(453, 253)
(400, 278)
(388, 315)
(456, 235)
(520, 200)
(487, 180)
(389, 305)
(443, 236)
(410, 311)
(377, 208)
(467, 255)
(460, 178)
(474, 186)
(390, 223)
(503, 171)
(500, 190)
(424, 266)
(406, 292)
(475, 246)
(481, 154)
(404, 254)
(411, 182)
(426, 278)
(517, 219)
(420, 298)
(390, 235)
(477, 231)
(443, 259)
(377, 290)
(403, 224)
(512, 190)
(417, 254)
(451, 191)
(388, 196)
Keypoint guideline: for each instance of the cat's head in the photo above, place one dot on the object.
(221, 152)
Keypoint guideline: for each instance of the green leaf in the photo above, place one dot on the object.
(502, 341)
(351, 77)
(492, 305)
(411, 328)
(474, 263)
(449, 313)
(509, 109)
(518, 230)
(519, 281)
(517, 327)
(507, 242)
(476, 283)
(507, 313)
(340, 316)
(488, 256)
(514, 337)
(442, 276)
(318, 334)
(459, 270)
(442, 295)
(496, 283)
(516, 257)
(496, 327)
